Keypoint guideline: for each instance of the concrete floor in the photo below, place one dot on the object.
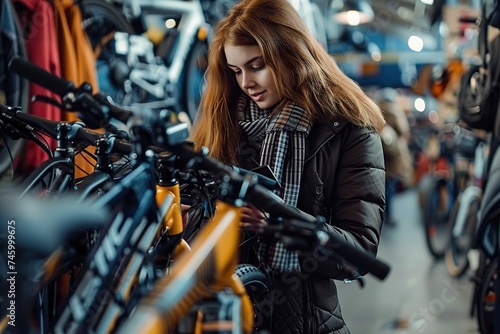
(418, 296)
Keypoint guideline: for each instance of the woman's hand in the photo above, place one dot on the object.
(251, 216)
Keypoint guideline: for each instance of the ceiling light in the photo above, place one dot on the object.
(354, 13)
(170, 23)
(415, 43)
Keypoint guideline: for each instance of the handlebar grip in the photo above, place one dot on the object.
(40, 76)
(274, 205)
(359, 258)
(46, 125)
(263, 180)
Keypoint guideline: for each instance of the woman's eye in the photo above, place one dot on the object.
(256, 68)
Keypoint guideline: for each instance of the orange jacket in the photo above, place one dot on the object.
(76, 57)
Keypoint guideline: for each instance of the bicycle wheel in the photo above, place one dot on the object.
(461, 238)
(257, 285)
(101, 20)
(436, 217)
(14, 90)
(485, 303)
(195, 78)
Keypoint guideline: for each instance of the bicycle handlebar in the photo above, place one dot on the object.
(357, 257)
(301, 222)
(28, 122)
(269, 182)
(93, 103)
(50, 128)
(41, 77)
(255, 192)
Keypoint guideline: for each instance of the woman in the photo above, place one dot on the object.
(275, 97)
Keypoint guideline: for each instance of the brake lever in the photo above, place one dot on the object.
(48, 100)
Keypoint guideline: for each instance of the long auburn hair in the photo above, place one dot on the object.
(302, 69)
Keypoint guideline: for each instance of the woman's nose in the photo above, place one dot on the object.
(247, 80)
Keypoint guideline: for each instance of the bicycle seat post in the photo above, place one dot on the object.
(166, 169)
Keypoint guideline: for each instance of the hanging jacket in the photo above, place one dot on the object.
(76, 58)
(10, 44)
(37, 21)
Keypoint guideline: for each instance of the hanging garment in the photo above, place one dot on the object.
(9, 43)
(37, 21)
(77, 60)
(76, 56)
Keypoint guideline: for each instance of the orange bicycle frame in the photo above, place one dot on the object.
(209, 266)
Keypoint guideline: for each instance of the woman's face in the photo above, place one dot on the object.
(252, 74)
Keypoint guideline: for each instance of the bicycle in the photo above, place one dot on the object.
(136, 73)
(445, 182)
(163, 306)
(163, 195)
(143, 227)
(91, 110)
(133, 220)
(167, 192)
(479, 108)
(464, 215)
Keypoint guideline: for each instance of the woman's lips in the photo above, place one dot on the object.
(258, 97)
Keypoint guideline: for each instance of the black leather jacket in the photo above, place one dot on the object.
(344, 181)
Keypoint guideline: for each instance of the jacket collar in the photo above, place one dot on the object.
(321, 132)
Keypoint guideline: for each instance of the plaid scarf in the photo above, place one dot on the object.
(281, 141)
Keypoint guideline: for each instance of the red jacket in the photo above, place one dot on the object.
(37, 20)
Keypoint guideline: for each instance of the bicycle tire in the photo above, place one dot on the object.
(456, 260)
(107, 19)
(195, 77)
(101, 21)
(436, 219)
(476, 279)
(9, 148)
(485, 303)
(257, 285)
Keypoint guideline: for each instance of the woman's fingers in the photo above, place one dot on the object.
(251, 216)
